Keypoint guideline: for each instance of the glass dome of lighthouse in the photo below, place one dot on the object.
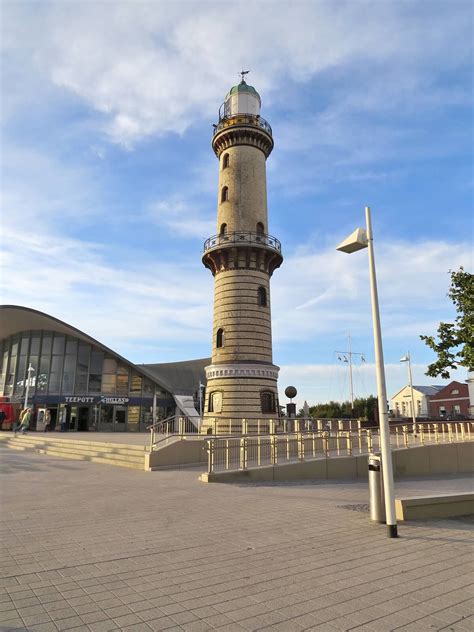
(242, 99)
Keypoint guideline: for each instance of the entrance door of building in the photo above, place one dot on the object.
(83, 419)
(106, 418)
(120, 418)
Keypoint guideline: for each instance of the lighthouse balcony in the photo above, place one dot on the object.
(254, 120)
(242, 239)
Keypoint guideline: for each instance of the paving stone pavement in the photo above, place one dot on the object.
(89, 547)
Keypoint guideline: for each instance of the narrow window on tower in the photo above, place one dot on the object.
(215, 402)
(223, 231)
(224, 194)
(220, 338)
(260, 228)
(262, 297)
(267, 400)
(225, 161)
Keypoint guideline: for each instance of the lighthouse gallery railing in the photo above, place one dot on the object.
(242, 238)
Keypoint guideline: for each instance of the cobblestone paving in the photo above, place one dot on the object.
(94, 547)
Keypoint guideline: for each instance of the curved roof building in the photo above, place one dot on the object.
(83, 383)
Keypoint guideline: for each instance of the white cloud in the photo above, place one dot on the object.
(316, 292)
(168, 304)
(155, 68)
(182, 217)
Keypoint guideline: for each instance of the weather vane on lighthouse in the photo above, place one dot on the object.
(242, 73)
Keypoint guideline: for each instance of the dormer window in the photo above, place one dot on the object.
(455, 391)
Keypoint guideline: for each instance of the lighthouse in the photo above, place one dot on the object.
(242, 379)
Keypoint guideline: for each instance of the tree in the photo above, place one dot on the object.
(455, 345)
(364, 408)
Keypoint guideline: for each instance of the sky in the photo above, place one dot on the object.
(109, 182)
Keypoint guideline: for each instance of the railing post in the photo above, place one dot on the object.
(244, 427)
(436, 433)
(349, 443)
(243, 453)
(369, 441)
(210, 456)
(405, 436)
(463, 433)
(340, 424)
(227, 454)
(326, 443)
(181, 426)
(300, 439)
(421, 430)
(320, 424)
(274, 449)
(338, 445)
(450, 433)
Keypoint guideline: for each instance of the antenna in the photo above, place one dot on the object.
(242, 73)
(349, 354)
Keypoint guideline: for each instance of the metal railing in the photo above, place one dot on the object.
(242, 237)
(245, 452)
(242, 119)
(230, 426)
(175, 426)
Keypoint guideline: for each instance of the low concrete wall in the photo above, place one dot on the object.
(181, 452)
(450, 458)
(424, 507)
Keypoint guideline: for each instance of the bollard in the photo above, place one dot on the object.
(376, 504)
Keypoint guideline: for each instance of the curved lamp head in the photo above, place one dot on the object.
(356, 241)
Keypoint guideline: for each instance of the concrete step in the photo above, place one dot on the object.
(86, 451)
(76, 448)
(111, 447)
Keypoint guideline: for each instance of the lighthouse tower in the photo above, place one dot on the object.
(242, 379)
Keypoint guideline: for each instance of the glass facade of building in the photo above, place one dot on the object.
(83, 386)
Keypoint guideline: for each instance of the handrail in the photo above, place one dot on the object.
(242, 237)
(232, 427)
(246, 451)
(242, 119)
(160, 427)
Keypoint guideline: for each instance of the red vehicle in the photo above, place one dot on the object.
(9, 412)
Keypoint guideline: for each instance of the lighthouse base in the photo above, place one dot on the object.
(241, 398)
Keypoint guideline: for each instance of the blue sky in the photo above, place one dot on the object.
(109, 182)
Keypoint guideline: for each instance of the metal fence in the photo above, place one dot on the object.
(245, 452)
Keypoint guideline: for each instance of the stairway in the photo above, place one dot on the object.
(122, 455)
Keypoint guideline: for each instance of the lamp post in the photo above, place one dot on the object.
(359, 239)
(406, 358)
(201, 387)
(30, 370)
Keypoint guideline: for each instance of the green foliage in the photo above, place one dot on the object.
(455, 344)
(364, 408)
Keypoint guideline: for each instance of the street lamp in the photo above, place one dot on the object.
(30, 370)
(359, 239)
(406, 358)
(201, 387)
